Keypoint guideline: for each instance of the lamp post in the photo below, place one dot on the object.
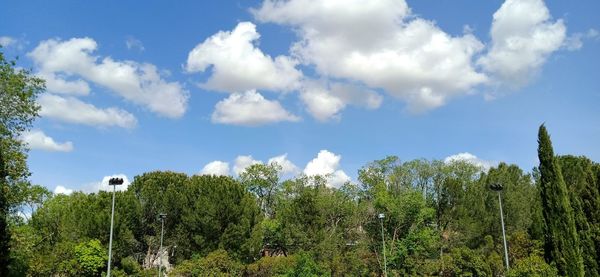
(498, 188)
(381, 217)
(112, 182)
(162, 228)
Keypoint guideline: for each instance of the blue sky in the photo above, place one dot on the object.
(134, 88)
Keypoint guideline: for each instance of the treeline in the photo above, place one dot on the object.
(440, 219)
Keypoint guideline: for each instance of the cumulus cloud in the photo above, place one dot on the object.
(523, 36)
(7, 41)
(36, 139)
(218, 168)
(470, 158)
(327, 164)
(321, 103)
(139, 83)
(62, 190)
(73, 110)
(56, 83)
(250, 109)
(325, 101)
(104, 186)
(242, 162)
(238, 65)
(380, 44)
(287, 167)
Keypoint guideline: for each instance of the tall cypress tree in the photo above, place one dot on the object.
(585, 201)
(561, 240)
(4, 234)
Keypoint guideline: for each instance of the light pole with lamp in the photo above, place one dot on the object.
(381, 217)
(162, 228)
(498, 188)
(112, 182)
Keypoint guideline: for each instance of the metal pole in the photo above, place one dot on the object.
(112, 217)
(503, 232)
(383, 243)
(162, 228)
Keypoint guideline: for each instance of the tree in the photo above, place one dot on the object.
(4, 234)
(220, 214)
(561, 239)
(579, 177)
(263, 181)
(216, 263)
(19, 89)
(90, 257)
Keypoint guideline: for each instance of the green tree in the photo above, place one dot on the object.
(271, 266)
(585, 200)
(91, 257)
(4, 232)
(221, 214)
(160, 192)
(18, 109)
(463, 261)
(532, 266)
(19, 89)
(561, 241)
(216, 263)
(263, 181)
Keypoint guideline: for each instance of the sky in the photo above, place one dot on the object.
(320, 87)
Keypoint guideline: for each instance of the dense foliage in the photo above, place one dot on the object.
(440, 219)
(562, 241)
(18, 91)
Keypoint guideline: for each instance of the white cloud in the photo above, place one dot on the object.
(218, 168)
(7, 41)
(287, 167)
(238, 65)
(134, 43)
(139, 83)
(103, 185)
(250, 109)
(470, 158)
(327, 164)
(321, 103)
(62, 190)
(55, 83)
(380, 44)
(72, 110)
(36, 139)
(575, 41)
(326, 101)
(523, 36)
(241, 162)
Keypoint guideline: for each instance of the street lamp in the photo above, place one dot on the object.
(498, 188)
(112, 182)
(381, 217)
(162, 228)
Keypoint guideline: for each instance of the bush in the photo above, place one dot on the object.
(217, 263)
(532, 266)
(271, 266)
(130, 266)
(464, 262)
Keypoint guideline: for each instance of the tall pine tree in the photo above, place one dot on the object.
(561, 240)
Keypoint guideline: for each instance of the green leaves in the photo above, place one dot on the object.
(562, 241)
(19, 89)
(440, 219)
(91, 257)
